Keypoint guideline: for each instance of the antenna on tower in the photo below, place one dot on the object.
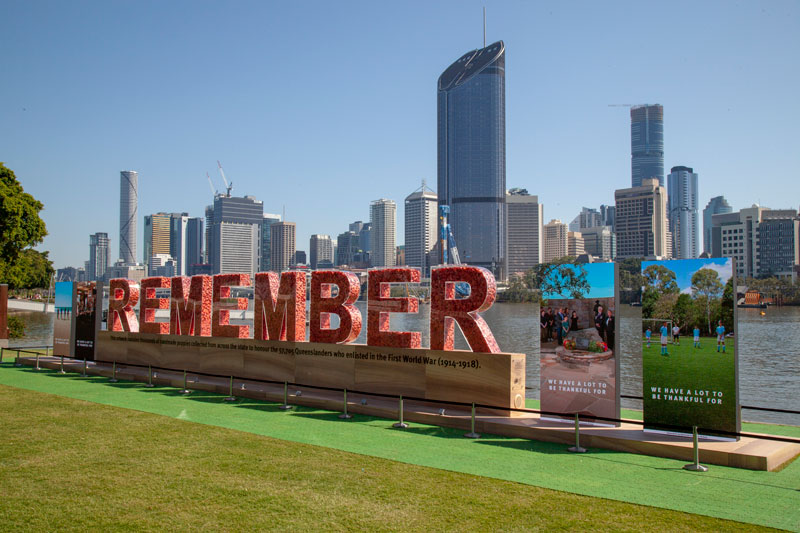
(484, 26)
(284, 212)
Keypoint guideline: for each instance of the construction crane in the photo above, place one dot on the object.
(447, 242)
(214, 192)
(228, 187)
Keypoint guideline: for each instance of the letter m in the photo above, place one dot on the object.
(280, 306)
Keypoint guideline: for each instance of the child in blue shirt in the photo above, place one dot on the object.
(647, 334)
(664, 339)
(721, 336)
(696, 334)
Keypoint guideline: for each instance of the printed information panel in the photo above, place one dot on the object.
(485, 378)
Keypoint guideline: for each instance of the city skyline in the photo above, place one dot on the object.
(193, 98)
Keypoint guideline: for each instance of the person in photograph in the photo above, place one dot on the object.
(696, 334)
(574, 325)
(647, 334)
(559, 318)
(543, 327)
(676, 335)
(664, 339)
(564, 326)
(550, 320)
(596, 306)
(600, 321)
(720, 336)
(610, 330)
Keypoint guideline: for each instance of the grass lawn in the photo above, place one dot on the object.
(68, 464)
(695, 386)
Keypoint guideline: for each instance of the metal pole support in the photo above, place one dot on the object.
(696, 466)
(16, 360)
(1, 353)
(185, 390)
(345, 415)
(37, 361)
(400, 424)
(577, 448)
(113, 378)
(149, 383)
(61, 370)
(84, 375)
(285, 405)
(230, 397)
(472, 434)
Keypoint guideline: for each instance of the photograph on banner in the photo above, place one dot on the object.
(577, 337)
(62, 326)
(86, 319)
(689, 370)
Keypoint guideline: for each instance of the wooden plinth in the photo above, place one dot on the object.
(748, 453)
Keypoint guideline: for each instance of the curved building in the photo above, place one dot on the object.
(472, 154)
(128, 208)
(647, 143)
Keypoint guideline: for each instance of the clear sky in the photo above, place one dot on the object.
(322, 107)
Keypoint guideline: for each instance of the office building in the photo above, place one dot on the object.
(365, 243)
(420, 229)
(763, 241)
(283, 246)
(600, 242)
(641, 218)
(575, 244)
(156, 235)
(347, 248)
(266, 240)
(320, 250)
(193, 245)
(607, 216)
(128, 213)
(716, 206)
(524, 221)
(383, 216)
(99, 259)
(555, 240)
(472, 155)
(647, 144)
(299, 258)
(587, 218)
(208, 240)
(162, 265)
(178, 238)
(682, 208)
(235, 234)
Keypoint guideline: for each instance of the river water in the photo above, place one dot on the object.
(769, 350)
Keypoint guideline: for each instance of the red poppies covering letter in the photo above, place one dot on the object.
(190, 306)
(221, 311)
(147, 309)
(280, 306)
(446, 309)
(380, 304)
(323, 305)
(123, 296)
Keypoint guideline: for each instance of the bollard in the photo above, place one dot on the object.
(345, 415)
(37, 361)
(230, 397)
(84, 375)
(113, 378)
(696, 466)
(400, 424)
(61, 371)
(472, 434)
(285, 405)
(149, 383)
(577, 448)
(185, 390)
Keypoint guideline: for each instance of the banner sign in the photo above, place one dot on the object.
(87, 318)
(689, 356)
(64, 325)
(578, 363)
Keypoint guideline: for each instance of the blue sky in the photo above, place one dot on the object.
(64, 294)
(600, 277)
(684, 269)
(322, 107)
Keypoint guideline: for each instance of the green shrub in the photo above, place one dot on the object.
(16, 327)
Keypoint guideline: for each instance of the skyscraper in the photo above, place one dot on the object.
(98, 256)
(641, 217)
(235, 244)
(320, 249)
(647, 143)
(128, 212)
(524, 231)
(682, 205)
(717, 205)
(266, 239)
(383, 216)
(472, 154)
(420, 232)
(282, 242)
(156, 235)
(555, 240)
(193, 246)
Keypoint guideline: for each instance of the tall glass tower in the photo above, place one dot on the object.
(647, 143)
(472, 155)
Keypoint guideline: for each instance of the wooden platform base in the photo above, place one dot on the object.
(749, 453)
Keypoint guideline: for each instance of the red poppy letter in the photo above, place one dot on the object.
(123, 295)
(380, 304)
(280, 306)
(190, 306)
(147, 309)
(221, 311)
(342, 305)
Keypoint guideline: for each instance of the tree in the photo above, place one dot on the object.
(706, 284)
(558, 277)
(20, 224)
(31, 270)
(661, 279)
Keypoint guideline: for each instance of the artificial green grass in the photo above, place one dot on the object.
(755, 497)
(67, 464)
